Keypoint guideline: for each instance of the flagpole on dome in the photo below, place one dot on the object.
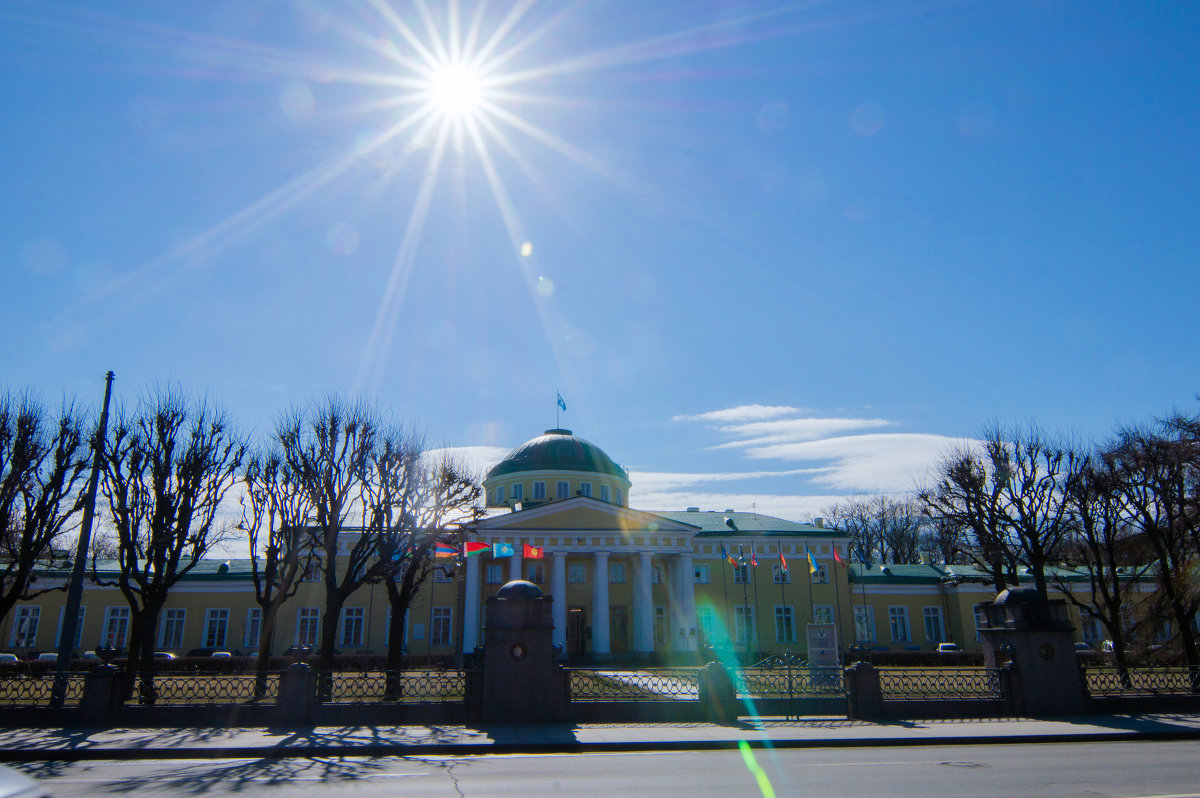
(559, 409)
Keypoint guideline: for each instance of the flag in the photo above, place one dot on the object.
(782, 560)
(445, 550)
(812, 562)
(837, 558)
(741, 555)
(727, 555)
(561, 404)
(753, 559)
(470, 548)
(502, 550)
(532, 552)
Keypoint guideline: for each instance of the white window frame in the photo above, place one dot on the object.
(821, 575)
(308, 626)
(898, 625)
(499, 494)
(704, 621)
(170, 631)
(605, 493)
(741, 574)
(823, 613)
(441, 626)
(252, 632)
(979, 612)
(618, 497)
(535, 572)
(655, 575)
(616, 573)
(353, 623)
(518, 491)
(216, 618)
(864, 623)
(585, 489)
(26, 621)
(493, 574)
(115, 631)
(743, 623)
(779, 576)
(785, 623)
(1089, 626)
(576, 573)
(562, 489)
(701, 574)
(934, 613)
(539, 491)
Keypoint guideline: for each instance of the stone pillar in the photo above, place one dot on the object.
(643, 607)
(679, 642)
(471, 607)
(688, 585)
(514, 566)
(601, 644)
(297, 695)
(864, 694)
(521, 683)
(558, 591)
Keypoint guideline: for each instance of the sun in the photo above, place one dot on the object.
(457, 91)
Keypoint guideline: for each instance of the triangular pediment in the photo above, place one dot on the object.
(583, 514)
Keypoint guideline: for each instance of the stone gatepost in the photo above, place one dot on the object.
(1035, 635)
(101, 700)
(521, 682)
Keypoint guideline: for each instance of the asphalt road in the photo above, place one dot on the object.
(1128, 770)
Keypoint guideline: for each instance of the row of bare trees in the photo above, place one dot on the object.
(335, 489)
(1122, 513)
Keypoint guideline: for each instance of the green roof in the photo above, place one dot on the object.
(558, 450)
(712, 524)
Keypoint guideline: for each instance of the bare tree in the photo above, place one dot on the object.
(885, 526)
(417, 501)
(167, 468)
(329, 448)
(274, 513)
(43, 462)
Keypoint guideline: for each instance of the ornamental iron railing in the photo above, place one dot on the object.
(660, 684)
(409, 687)
(790, 683)
(934, 684)
(183, 689)
(34, 690)
(1110, 681)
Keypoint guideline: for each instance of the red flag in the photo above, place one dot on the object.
(837, 558)
(469, 548)
(782, 560)
(753, 559)
(532, 552)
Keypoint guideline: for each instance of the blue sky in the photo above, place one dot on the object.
(777, 253)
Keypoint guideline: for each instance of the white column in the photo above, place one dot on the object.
(558, 592)
(471, 606)
(514, 567)
(643, 608)
(679, 642)
(688, 596)
(601, 645)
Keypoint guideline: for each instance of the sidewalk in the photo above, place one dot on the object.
(76, 744)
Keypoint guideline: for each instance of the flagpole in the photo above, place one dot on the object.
(837, 600)
(756, 605)
(725, 587)
(783, 576)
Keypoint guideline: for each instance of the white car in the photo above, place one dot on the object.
(6, 657)
(16, 785)
(946, 648)
(47, 656)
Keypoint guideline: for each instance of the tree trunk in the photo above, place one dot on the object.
(266, 639)
(334, 600)
(145, 623)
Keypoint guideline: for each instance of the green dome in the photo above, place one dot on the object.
(558, 450)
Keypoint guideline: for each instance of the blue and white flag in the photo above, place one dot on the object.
(502, 550)
(561, 404)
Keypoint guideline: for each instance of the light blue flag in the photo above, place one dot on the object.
(502, 550)
(561, 404)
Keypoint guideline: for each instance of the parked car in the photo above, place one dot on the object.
(47, 656)
(947, 648)
(18, 785)
(1083, 648)
(220, 655)
(7, 658)
(163, 655)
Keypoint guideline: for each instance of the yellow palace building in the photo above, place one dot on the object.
(626, 583)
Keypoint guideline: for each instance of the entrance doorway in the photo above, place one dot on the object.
(618, 626)
(576, 626)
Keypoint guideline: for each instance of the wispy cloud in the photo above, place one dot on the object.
(794, 429)
(745, 413)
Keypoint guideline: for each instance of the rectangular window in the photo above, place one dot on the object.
(864, 623)
(585, 489)
(352, 626)
(604, 493)
(618, 498)
(576, 573)
(980, 612)
(660, 625)
(494, 574)
(785, 629)
(518, 491)
(1090, 626)
(78, 627)
(535, 572)
(821, 575)
(116, 627)
(704, 619)
(216, 624)
(171, 633)
(935, 632)
(701, 576)
(741, 574)
(823, 613)
(442, 574)
(253, 630)
(780, 576)
(616, 573)
(25, 627)
(743, 623)
(499, 494)
(539, 491)
(898, 622)
(439, 628)
(655, 575)
(307, 620)
(562, 490)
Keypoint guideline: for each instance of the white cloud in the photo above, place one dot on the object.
(667, 481)
(741, 414)
(477, 458)
(794, 429)
(794, 507)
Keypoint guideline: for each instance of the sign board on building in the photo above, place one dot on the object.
(823, 645)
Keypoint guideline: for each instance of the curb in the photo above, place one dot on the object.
(485, 749)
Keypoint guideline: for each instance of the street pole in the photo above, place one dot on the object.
(66, 641)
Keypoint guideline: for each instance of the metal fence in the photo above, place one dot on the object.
(935, 684)
(409, 687)
(660, 684)
(34, 690)
(187, 688)
(790, 683)
(1110, 681)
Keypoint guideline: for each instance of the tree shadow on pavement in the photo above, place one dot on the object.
(250, 775)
